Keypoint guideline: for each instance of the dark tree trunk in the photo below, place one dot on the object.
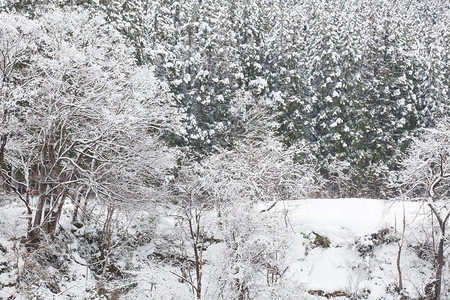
(80, 195)
(34, 233)
(75, 211)
(46, 217)
(55, 216)
(3, 139)
(440, 256)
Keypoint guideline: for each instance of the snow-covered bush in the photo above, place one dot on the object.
(259, 170)
(251, 259)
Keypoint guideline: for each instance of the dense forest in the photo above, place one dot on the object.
(118, 116)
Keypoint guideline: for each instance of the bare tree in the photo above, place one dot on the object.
(400, 244)
(192, 202)
(425, 176)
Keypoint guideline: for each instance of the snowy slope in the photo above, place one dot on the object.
(345, 218)
(348, 224)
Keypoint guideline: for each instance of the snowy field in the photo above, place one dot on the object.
(339, 249)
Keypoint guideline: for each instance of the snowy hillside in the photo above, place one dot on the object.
(360, 259)
(334, 249)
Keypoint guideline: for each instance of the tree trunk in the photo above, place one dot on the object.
(29, 213)
(33, 234)
(195, 236)
(3, 139)
(107, 226)
(440, 255)
(46, 217)
(438, 282)
(80, 195)
(55, 216)
(400, 246)
(75, 211)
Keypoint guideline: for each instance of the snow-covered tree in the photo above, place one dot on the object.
(258, 169)
(252, 257)
(15, 51)
(425, 176)
(92, 117)
(359, 95)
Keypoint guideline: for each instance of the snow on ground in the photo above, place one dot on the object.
(353, 264)
(341, 267)
(345, 219)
